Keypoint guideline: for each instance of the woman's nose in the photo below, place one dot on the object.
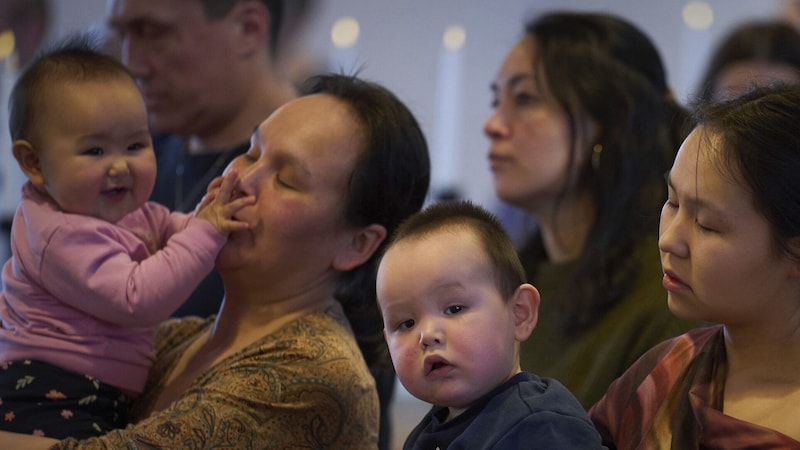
(495, 126)
(248, 176)
(671, 236)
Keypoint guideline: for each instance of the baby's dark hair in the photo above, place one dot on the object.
(76, 58)
(464, 215)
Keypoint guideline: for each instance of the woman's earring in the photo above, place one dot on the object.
(596, 150)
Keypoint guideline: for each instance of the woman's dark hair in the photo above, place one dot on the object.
(389, 183)
(392, 173)
(757, 142)
(603, 68)
(767, 41)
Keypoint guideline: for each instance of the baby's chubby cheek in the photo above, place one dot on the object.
(403, 354)
(410, 358)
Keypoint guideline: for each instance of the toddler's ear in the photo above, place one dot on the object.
(28, 161)
(525, 303)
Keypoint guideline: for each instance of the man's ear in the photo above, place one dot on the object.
(28, 161)
(360, 248)
(525, 305)
(252, 21)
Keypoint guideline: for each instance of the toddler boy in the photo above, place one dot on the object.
(456, 307)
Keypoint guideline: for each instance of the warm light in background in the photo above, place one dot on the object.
(7, 44)
(344, 32)
(454, 37)
(698, 15)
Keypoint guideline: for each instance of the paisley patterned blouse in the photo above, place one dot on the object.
(305, 386)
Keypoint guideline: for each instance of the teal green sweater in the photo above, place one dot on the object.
(587, 362)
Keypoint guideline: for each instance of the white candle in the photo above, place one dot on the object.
(447, 112)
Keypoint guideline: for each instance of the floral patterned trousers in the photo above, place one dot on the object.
(45, 400)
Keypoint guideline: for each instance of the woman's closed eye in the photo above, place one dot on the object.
(283, 183)
(704, 228)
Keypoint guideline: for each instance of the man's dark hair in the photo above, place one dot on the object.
(217, 9)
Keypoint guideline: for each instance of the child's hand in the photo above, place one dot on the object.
(220, 204)
(211, 193)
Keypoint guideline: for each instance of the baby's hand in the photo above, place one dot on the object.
(219, 204)
(211, 193)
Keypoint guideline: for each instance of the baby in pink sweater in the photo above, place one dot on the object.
(95, 266)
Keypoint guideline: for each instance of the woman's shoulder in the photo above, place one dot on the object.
(684, 347)
(664, 362)
(320, 338)
(176, 331)
(312, 366)
(631, 402)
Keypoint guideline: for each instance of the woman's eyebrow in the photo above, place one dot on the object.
(512, 80)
